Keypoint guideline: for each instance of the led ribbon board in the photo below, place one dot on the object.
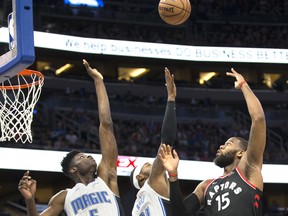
(188, 170)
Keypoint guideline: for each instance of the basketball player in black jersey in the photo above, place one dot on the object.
(238, 191)
(151, 180)
(96, 190)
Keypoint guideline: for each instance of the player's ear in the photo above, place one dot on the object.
(240, 153)
(140, 177)
(73, 170)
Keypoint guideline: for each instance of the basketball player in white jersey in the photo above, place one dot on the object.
(96, 190)
(153, 197)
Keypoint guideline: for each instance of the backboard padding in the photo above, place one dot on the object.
(23, 54)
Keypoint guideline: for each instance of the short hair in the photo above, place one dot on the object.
(66, 162)
(243, 143)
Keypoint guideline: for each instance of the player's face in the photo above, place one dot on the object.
(84, 163)
(226, 153)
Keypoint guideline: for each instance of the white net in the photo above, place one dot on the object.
(19, 96)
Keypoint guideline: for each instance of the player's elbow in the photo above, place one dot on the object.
(258, 118)
(107, 124)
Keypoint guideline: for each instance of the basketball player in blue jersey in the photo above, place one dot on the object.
(153, 196)
(238, 191)
(96, 189)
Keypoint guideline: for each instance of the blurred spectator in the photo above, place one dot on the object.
(71, 137)
(58, 131)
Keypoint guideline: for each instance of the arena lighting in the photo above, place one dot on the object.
(42, 65)
(154, 50)
(128, 73)
(49, 161)
(138, 72)
(89, 3)
(64, 68)
(270, 78)
(206, 76)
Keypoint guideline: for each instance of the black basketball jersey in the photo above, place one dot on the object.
(232, 195)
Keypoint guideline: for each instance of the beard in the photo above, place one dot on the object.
(224, 160)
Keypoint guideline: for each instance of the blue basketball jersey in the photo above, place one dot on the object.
(95, 199)
(150, 203)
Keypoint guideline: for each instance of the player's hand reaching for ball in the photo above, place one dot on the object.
(169, 158)
(170, 85)
(27, 186)
(94, 73)
(239, 78)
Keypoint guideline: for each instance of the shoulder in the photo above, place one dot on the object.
(160, 185)
(59, 197)
(206, 182)
(56, 204)
(201, 187)
(200, 190)
(61, 194)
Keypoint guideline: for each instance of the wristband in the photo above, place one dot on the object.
(172, 174)
(241, 83)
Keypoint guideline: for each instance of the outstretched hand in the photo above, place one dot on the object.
(170, 84)
(239, 78)
(169, 158)
(27, 186)
(94, 73)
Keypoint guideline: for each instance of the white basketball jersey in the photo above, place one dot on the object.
(95, 199)
(150, 203)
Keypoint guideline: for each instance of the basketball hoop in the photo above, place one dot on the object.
(20, 93)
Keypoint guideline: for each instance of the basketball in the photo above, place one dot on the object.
(174, 12)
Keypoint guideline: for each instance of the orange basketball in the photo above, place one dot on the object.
(174, 12)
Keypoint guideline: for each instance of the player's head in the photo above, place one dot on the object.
(140, 174)
(232, 150)
(76, 162)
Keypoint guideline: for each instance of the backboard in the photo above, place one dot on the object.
(21, 36)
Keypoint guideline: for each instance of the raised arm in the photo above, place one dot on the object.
(27, 187)
(253, 159)
(169, 125)
(168, 135)
(190, 204)
(107, 167)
